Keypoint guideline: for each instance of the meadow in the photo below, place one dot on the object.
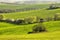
(15, 32)
(22, 6)
(19, 32)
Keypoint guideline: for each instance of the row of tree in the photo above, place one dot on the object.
(54, 6)
(16, 10)
(30, 20)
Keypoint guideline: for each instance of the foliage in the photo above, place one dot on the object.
(57, 17)
(30, 20)
(1, 17)
(39, 28)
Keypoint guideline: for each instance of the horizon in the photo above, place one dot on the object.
(27, 0)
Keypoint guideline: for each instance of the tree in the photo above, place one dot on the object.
(39, 28)
(49, 19)
(1, 17)
(30, 20)
(57, 16)
(37, 19)
(53, 6)
(19, 21)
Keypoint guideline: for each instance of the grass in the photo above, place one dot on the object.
(11, 29)
(39, 36)
(40, 13)
(19, 32)
(11, 6)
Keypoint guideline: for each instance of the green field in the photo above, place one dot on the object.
(38, 36)
(19, 32)
(11, 29)
(13, 32)
(12, 6)
(43, 13)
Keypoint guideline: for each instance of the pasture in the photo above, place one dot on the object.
(43, 13)
(19, 32)
(15, 32)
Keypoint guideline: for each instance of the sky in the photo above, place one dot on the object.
(25, 0)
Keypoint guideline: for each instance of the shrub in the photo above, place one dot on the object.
(37, 19)
(9, 20)
(41, 20)
(39, 28)
(19, 21)
(57, 17)
(49, 19)
(1, 17)
(53, 6)
(30, 32)
(30, 20)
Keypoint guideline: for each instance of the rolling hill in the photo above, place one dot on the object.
(14, 32)
(43, 13)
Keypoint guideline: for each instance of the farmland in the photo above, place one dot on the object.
(13, 32)
(39, 13)
(8, 8)
(10, 31)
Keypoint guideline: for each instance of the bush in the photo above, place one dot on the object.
(39, 28)
(30, 20)
(19, 21)
(41, 20)
(57, 17)
(1, 17)
(49, 19)
(9, 20)
(53, 6)
(37, 19)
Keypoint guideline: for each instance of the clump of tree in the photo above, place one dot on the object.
(53, 6)
(6, 10)
(13, 21)
(57, 17)
(1, 18)
(49, 19)
(9, 20)
(30, 20)
(40, 20)
(37, 19)
(39, 27)
(19, 21)
(16, 10)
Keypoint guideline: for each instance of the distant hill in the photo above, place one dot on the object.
(31, 2)
(36, 2)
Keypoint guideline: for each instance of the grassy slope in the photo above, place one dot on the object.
(6, 28)
(53, 33)
(38, 36)
(14, 30)
(41, 13)
(11, 6)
